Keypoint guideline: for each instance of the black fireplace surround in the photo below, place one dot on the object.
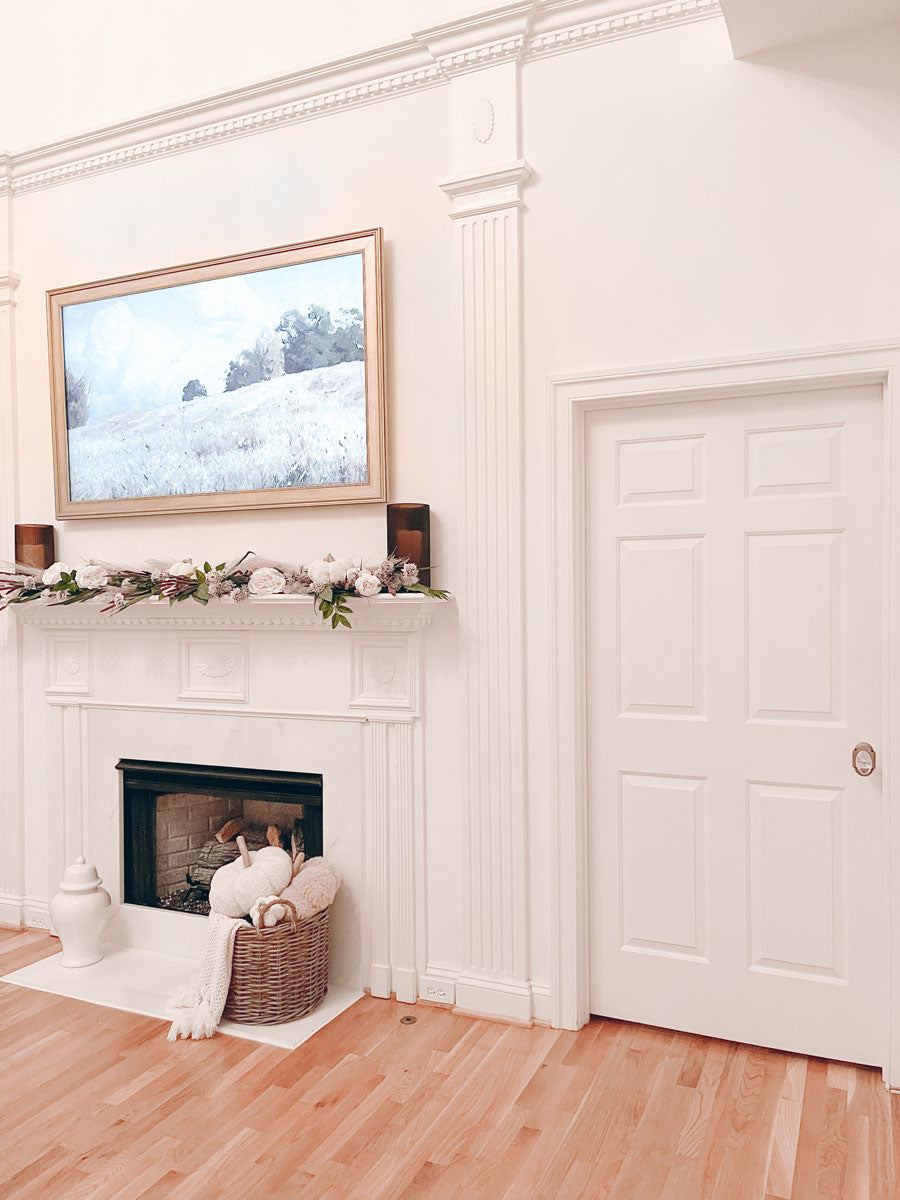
(144, 782)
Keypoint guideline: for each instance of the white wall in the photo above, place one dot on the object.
(89, 64)
(684, 206)
(688, 206)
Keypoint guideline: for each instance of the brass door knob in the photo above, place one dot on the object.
(863, 759)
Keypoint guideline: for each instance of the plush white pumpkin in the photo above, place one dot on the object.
(313, 888)
(329, 866)
(277, 912)
(234, 887)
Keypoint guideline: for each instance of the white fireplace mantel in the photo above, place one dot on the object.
(407, 611)
(266, 684)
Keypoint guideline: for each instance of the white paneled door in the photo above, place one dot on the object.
(734, 611)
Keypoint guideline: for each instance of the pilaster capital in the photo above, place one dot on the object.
(8, 285)
(483, 40)
(487, 191)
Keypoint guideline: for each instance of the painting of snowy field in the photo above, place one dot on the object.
(301, 430)
(254, 382)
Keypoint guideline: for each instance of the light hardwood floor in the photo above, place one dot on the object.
(96, 1105)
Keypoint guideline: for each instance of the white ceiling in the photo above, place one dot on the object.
(758, 25)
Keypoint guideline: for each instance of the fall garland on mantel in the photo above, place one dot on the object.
(331, 581)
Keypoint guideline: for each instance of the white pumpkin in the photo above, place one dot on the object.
(234, 887)
(313, 888)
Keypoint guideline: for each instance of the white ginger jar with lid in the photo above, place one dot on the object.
(80, 910)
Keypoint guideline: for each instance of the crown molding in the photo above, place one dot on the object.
(481, 40)
(563, 25)
(287, 99)
(429, 58)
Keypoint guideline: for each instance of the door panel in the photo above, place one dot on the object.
(734, 625)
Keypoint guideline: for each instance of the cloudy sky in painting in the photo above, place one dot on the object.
(139, 351)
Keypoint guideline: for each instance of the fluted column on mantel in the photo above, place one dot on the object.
(485, 194)
(12, 884)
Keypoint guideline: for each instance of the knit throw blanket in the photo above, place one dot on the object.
(197, 1008)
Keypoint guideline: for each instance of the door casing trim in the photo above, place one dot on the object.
(571, 398)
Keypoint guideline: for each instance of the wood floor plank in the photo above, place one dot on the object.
(832, 1148)
(783, 1148)
(693, 1149)
(97, 1105)
(812, 1123)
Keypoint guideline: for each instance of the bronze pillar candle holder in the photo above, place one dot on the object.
(35, 546)
(409, 536)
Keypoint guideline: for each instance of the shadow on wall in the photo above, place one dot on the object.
(866, 61)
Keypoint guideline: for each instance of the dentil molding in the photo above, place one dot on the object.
(277, 612)
(429, 58)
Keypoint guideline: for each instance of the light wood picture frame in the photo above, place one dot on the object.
(251, 381)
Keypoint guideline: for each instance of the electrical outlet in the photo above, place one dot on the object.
(36, 919)
(440, 993)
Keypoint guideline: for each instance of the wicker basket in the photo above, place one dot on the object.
(281, 973)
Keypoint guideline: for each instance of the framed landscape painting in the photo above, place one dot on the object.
(253, 381)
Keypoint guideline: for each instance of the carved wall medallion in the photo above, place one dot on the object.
(385, 673)
(67, 664)
(215, 666)
(212, 668)
(483, 120)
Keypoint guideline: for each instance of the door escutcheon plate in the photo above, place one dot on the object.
(863, 759)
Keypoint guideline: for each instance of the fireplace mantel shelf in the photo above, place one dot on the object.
(404, 612)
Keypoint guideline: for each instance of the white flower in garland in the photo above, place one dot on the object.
(367, 584)
(55, 573)
(218, 584)
(91, 577)
(182, 570)
(266, 581)
(297, 582)
(409, 574)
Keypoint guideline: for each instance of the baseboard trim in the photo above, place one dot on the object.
(541, 1004)
(405, 984)
(11, 910)
(36, 914)
(380, 981)
(490, 997)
